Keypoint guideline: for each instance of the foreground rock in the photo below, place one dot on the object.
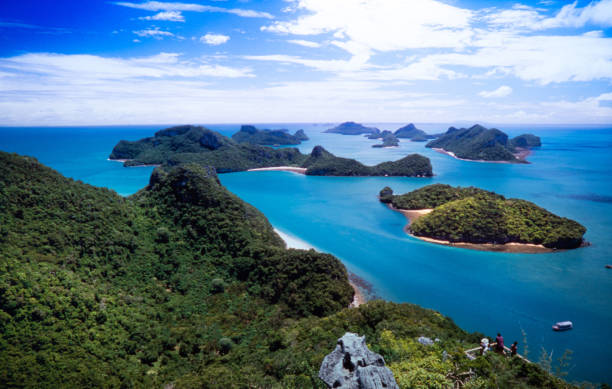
(353, 366)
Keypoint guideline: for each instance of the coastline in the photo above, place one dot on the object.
(296, 243)
(511, 247)
(520, 156)
(293, 169)
(125, 160)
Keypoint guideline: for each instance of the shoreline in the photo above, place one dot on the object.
(520, 156)
(293, 169)
(125, 160)
(510, 247)
(296, 243)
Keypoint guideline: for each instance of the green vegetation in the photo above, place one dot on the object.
(250, 134)
(414, 134)
(480, 143)
(388, 140)
(477, 216)
(526, 141)
(198, 145)
(184, 284)
(352, 128)
(430, 196)
(323, 163)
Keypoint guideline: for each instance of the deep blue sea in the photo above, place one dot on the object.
(570, 175)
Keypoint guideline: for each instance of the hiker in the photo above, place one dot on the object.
(484, 346)
(499, 347)
(514, 348)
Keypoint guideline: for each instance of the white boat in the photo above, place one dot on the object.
(563, 326)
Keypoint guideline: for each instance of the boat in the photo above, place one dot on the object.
(563, 326)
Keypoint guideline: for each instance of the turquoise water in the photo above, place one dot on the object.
(488, 292)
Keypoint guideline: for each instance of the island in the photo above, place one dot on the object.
(352, 128)
(480, 144)
(195, 144)
(388, 140)
(250, 134)
(479, 219)
(185, 285)
(410, 131)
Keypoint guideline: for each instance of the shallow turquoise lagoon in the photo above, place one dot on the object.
(571, 175)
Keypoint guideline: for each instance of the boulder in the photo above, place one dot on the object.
(353, 366)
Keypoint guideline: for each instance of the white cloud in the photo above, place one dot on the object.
(304, 43)
(382, 25)
(170, 16)
(155, 33)
(595, 13)
(502, 91)
(157, 6)
(214, 39)
(93, 69)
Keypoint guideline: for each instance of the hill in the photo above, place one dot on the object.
(194, 144)
(481, 144)
(184, 285)
(352, 128)
(250, 134)
(472, 215)
(410, 131)
(323, 163)
(388, 140)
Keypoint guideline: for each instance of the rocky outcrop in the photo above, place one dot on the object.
(353, 366)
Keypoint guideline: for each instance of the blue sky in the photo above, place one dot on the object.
(139, 62)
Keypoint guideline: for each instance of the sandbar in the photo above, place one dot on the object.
(293, 169)
(520, 156)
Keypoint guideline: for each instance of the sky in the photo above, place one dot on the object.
(67, 62)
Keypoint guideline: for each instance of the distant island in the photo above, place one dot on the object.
(478, 143)
(478, 219)
(250, 134)
(414, 134)
(388, 140)
(352, 128)
(196, 144)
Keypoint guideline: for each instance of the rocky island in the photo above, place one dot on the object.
(184, 285)
(250, 134)
(478, 219)
(478, 143)
(196, 144)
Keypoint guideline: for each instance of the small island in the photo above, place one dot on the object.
(195, 144)
(414, 134)
(478, 219)
(388, 140)
(250, 134)
(352, 128)
(480, 144)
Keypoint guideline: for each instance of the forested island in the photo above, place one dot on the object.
(478, 143)
(250, 134)
(414, 134)
(352, 128)
(184, 285)
(196, 144)
(388, 140)
(476, 218)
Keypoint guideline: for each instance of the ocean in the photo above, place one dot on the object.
(570, 175)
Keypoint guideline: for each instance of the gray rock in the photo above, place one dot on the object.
(353, 366)
(425, 341)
